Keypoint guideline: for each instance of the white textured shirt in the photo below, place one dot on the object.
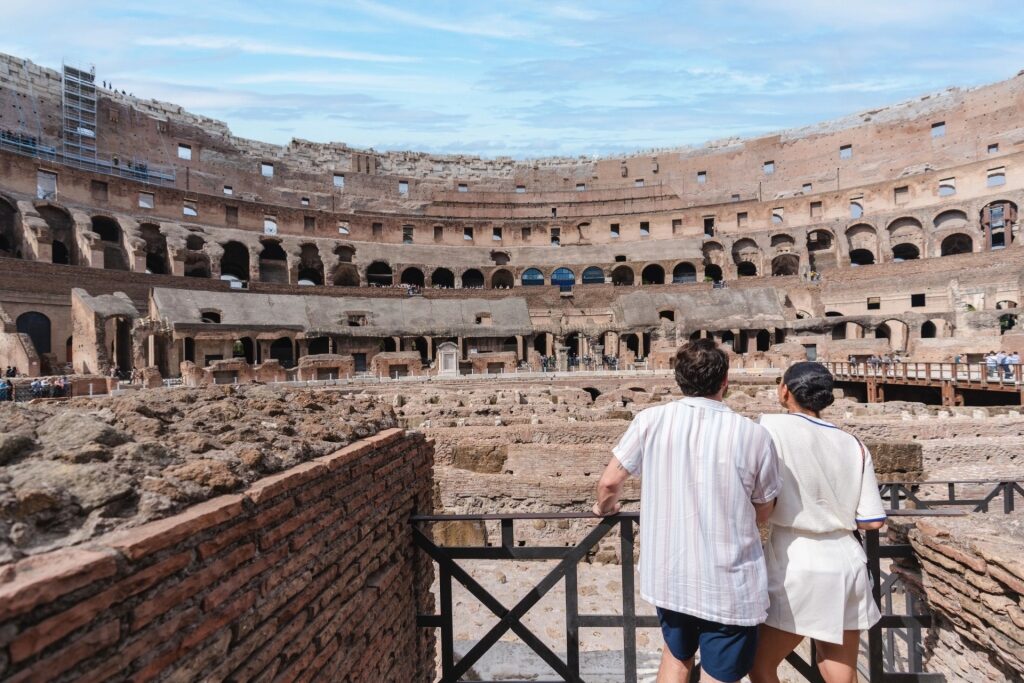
(701, 466)
(828, 478)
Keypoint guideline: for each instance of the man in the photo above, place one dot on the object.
(1009, 362)
(709, 475)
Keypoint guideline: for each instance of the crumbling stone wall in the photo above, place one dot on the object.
(971, 573)
(308, 573)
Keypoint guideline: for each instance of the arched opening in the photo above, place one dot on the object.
(563, 278)
(345, 253)
(413, 277)
(593, 276)
(905, 252)
(819, 240)
(540, 343)
(763, 341)
(839, 332)
(419, 344)
(954, 219)
(713, 273)
(378, 274)
(283, 351)
(622, 276)
(318, 346)
(729, 339)
(632, 343)
(248, 349)
(346, 275)
(442, 278)
(861, 257)
(500, 258)
(210, 316)
(1007, 322)
(895, 331)
(311, 266)
(234, 264)
(38, 328)
(59, 253)
(110, 235)
(667, 314)
(190, 349)
(997, 221)
(594, 393)
(684, 273)
(510, 345)
(653, 275)
(572, 343)
(472, 279)
(746, 269)
(156, 249)
(785, 264)
(9, 242)
(532, 277)
(502, 279)
(273, 263)
(957, 243)
(883, 332)
(62, 230)
(928, 330)
(1006, 303)
(388, 345)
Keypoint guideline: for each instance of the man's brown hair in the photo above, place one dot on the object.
(701, 368)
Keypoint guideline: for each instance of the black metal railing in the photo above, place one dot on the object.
(894, 645)
(981, 494)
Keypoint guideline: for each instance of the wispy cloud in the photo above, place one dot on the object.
(257, 47)
(486, 26)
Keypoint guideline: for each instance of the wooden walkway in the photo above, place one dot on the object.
(952, 379)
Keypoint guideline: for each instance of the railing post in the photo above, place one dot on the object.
(1007, 497)
(628, 600)
(876, 668)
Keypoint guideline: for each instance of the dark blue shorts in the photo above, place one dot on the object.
(726, 652)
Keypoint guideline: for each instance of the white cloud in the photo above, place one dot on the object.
(493, 26)
(256, 47)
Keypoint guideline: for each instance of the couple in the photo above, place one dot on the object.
(709, 475)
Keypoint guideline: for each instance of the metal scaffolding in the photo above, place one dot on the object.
(79, 107)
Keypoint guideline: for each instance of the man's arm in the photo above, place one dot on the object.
(610, 488)
(762, 511)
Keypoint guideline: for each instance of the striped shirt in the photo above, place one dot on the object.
(701, 466)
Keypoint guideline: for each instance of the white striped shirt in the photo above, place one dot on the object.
(702, 465)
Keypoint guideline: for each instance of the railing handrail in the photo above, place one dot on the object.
(625, 514)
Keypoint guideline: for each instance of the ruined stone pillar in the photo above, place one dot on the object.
(562, 357)
(549, 345)
(519, 347)
(430, 348)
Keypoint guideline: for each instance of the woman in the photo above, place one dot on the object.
(818, 583)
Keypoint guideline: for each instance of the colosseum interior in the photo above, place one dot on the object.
(271, 357)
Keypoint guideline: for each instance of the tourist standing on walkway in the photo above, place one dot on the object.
(991, 363)
(818, 583)
(709, 475)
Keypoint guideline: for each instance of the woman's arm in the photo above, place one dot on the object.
(871, 525)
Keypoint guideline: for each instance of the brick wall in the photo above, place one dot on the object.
(971, 573)
(309, 574)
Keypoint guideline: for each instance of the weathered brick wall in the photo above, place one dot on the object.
(971, 572)
(309, 574)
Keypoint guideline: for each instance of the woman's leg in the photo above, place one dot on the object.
(772, 647)
(838, 663)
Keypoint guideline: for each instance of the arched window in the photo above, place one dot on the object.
(861, 257)
(684, 272)
(502, 279)
(412, 276)
(273, 263)
(234, 264)
(622, 276)
(746, 269)
(957, 243)
(379, 274)
(563, 278)
(593, 276)
(472, 279)
(37, 327)
(905, 252)
(443, 278)
(928, 330)
(713, 272)
(653, 275)
(532, 276)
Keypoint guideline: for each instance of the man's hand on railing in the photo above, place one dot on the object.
(615, 509)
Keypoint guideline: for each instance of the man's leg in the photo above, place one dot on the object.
(772, 647)
(672, 670)
(838, 663)
(726, 651)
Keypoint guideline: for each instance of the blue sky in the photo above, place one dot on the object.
(524, 78)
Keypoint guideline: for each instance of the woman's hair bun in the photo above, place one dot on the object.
(811, 385)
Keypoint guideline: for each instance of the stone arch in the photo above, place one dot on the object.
(563, 277)
(10, 241)
(907, 237)
(623, 276)
(345, 275)
(346, 253)
(379, 274)
(273, 262)
(234, 263)
(957, 243)
(197, 261)
(862, 240)
(62, 232)
(472, 279)
(783, 243)
(500, 258)
(502, 279)
(746, 251)
(157, 262)
(110, 235)
(952, 219)
(38, 328)
(896, 331)
(412, 276)
(282, 350)
(684, 272)
(786, 264)
(652, 274)
(442, 278)
(311, 266)
(593, 275)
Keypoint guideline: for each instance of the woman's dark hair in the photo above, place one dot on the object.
(701, 368)
(811, 385)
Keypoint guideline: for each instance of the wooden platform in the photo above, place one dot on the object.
(952, 379)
